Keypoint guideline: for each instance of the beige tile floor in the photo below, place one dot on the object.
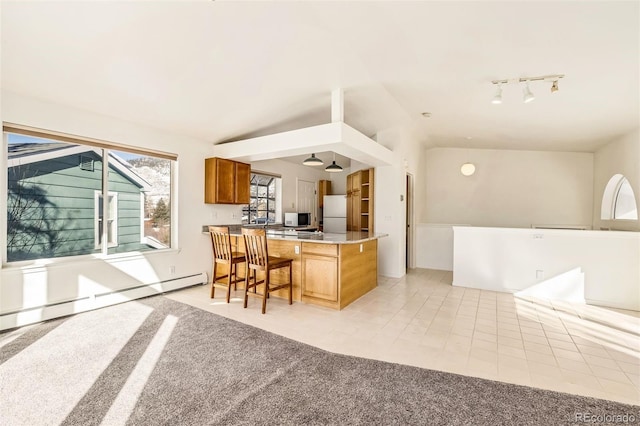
(422, 320)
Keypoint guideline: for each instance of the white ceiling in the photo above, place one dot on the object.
(223, 71)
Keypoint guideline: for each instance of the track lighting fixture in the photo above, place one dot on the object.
(313, 161)
(526, 91)
(333, 167)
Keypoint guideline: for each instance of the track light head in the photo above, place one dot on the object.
(528, 96)
(497, 98)
(554, 86)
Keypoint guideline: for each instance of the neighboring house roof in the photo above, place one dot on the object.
(27, 153)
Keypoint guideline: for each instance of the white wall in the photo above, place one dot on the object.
(619, 156)
(507, 259)
(339, 181)
(434, 245)
(509, 188)
(516, 189)
(40, 283)
(391, 198)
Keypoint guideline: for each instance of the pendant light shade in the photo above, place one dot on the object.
(333, 167)
(313, 161)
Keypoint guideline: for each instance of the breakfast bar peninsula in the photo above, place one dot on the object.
(330, 270)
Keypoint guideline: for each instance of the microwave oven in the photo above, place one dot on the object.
(297, 219)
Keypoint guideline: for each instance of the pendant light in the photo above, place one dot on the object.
(313, 161)
(333, 167)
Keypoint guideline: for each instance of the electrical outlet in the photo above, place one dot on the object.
(360, 248)
(539, 274)
(172, 269)
(296, 249)
(538, 236)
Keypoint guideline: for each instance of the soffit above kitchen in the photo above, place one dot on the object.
(337, 137)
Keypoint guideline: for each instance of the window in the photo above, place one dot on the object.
(55, 194)
(112, 220)
(265, 200)
(624, 206)
(618, 200)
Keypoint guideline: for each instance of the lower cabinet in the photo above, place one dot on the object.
(320, 277)
(334, 275)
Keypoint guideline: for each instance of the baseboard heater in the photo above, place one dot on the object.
(40, 313)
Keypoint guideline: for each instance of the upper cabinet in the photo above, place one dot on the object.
(324, 188)
(226, 181)
(360, 201)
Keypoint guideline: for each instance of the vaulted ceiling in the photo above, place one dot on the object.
(223, 71)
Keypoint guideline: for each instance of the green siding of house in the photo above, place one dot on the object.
(52, 213)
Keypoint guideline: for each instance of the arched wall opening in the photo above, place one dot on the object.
(618, 200)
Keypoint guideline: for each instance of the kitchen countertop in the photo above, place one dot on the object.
(349, 237)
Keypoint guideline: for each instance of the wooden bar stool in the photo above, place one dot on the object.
(258, 259)
(223, 254)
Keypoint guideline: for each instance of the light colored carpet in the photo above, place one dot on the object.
(157, 361)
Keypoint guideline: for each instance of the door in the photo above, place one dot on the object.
(307, 199)
(409, 222)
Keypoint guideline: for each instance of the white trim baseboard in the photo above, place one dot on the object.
(36, 314)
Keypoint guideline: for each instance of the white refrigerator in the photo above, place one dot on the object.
(334, 214)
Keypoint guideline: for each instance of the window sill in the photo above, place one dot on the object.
(70, 261)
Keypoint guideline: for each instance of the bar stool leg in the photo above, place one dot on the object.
(213, 279)
(229, 282)
(266, 292)
(247, 283)
(290, 284)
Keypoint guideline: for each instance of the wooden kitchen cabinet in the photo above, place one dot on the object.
(334, 275)
(360, 201)
(324, 188)
(226, 181)
(242, 183)
(320, 273)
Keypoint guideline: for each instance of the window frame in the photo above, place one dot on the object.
(112, 238)
(616, 197)
(609, 200)
(272, 202)
(104, 253)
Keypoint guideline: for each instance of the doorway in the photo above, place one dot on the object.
(409, 264)
(307, 199)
